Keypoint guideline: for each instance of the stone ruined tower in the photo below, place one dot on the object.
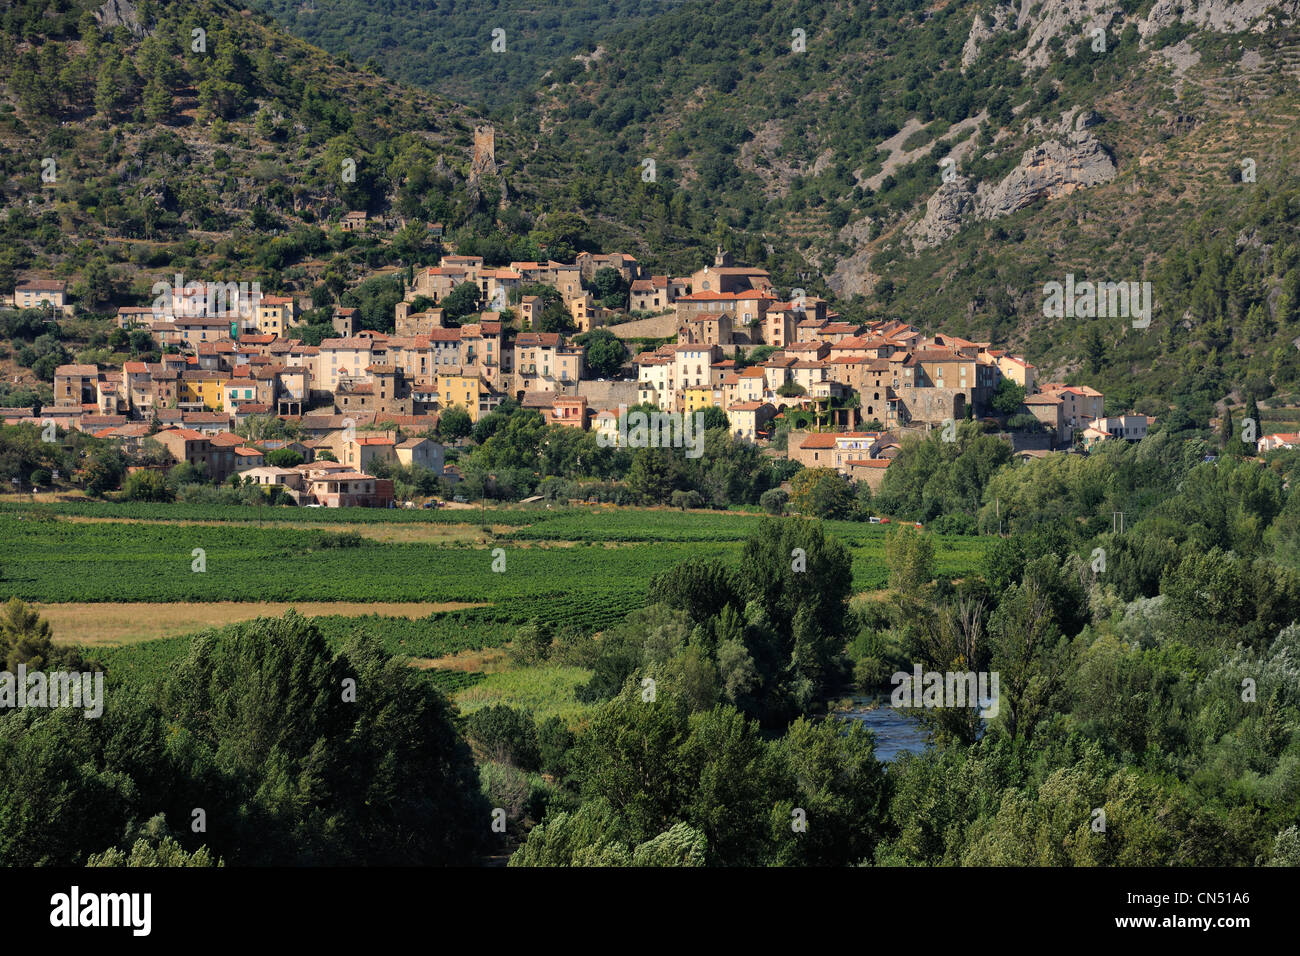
(484, 160)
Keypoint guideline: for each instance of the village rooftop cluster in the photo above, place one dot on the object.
(365, 394)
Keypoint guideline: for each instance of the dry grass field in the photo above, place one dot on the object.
(387, 533)
(131, 622)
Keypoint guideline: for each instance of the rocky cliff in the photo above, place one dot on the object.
(1072, 159)
(1075, 20)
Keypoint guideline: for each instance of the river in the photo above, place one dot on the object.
(896, 732)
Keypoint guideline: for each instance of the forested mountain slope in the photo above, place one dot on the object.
(198, 136)
(1110, 143)
(453, 46)
(939, 162)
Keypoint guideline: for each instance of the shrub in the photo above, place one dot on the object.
(505, 735)
(686, 499)
(870, 673)
(340, 539)
(146, 485)
(773, 501)
(555, 740)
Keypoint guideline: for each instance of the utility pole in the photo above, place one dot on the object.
(1117, 522)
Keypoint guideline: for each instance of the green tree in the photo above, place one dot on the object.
(104, 471)
(454, 423)
(339, 758)
(1008, 397)
(460, 302)
(591, 835)
(841, 789)
(146, 485)
(654, 474)
(605, 352)
(822, 493)
(680, 845)
(283, 458)
(610, 287)
(629, 755)
(1094, 349)
(714, 417)
(1227, 438)
(734, 782)
(701, 587)
(1252, 414)
(26, 638)
(98, 281)
(910, 556)
(154, 847)
(800, 579)
(168, 853)
(505, 735)
(1027, 656)
(157, 101)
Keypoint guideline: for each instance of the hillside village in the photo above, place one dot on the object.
(845, 393)
(758, 383)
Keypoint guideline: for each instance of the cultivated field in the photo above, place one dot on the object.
(132, 584)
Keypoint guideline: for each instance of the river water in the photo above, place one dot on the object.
(896, 732)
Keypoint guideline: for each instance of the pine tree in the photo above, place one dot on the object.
(157, 101)
(26, 638)
(88, 27)
(1094, 348)
(128, 82)
(105, 90)
(1252, 415)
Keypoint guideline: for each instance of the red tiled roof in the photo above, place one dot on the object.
(818, 441)
(188, 434)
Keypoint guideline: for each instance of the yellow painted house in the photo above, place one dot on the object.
(696, 397)
(210, 392)
(274, 314)
(462, 390)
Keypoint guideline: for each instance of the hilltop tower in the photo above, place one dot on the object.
(484, 160)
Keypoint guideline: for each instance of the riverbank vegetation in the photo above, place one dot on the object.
(650, 686)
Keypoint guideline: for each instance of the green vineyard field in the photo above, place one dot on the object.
(570, 568)
(53, 560)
